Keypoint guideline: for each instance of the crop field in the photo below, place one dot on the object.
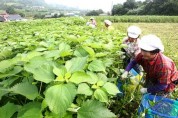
(61, 68)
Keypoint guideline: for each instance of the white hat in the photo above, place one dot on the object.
(133, 31)
(151, 42)
(91, 18)
(108, 22)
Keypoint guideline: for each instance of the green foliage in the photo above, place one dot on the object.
(8, 110)
(96, 65)
(94, 12)
(26, 89)
(60, 97)
(41, 69)
(148, 7)
(94, 109)
(76, 64)
(56, 66)
(85, 89)
(30, 110)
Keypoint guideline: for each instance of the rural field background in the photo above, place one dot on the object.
(61, 68)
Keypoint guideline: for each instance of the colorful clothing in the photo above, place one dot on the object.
(132, 48)
(93, 22)
(161, 72)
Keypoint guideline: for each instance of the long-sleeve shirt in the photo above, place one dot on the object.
(161, 72)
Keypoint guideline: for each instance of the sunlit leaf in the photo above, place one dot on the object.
(60, 97)
(94, 109)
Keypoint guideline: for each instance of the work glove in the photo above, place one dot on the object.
(143, 90)
(124, 75)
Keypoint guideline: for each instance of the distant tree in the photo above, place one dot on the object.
(130, 4)
(118, 10)
(94, 12)
(10, 10)
(61, 15)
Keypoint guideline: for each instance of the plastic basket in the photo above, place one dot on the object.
(158, 107)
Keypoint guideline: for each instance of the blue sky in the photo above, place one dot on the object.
(105, 5)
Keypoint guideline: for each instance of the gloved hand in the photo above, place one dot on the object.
(124, 75)
(143, 90)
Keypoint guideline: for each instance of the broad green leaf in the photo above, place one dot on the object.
(61, 70)
(7, 82)
(44, 73)
(7, 110)
(41, 71)
(90, 51)
(102, 77)
(26, 89)
(60, 97)
(96, 65)
(43, 105)
(64, 49)
(30, 110)
(31, 55)
(79, 77)
(100, 83)
(111, 88)
(52, 53)
(5, 54)
(80, 52)
(101, 95)
(51, 115)
(83, 88)
(76, 64)
(94, 109)
(6, 65)
(108, 62)
(96, 45)
(94, 77)
(35, 62)
(12, 72)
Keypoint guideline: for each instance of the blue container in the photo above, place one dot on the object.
(161, 107)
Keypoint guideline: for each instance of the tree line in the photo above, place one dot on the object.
(148, 7)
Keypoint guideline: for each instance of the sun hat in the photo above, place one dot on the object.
(151, 42)
(92, 18)
(133, 31)
(108, 22)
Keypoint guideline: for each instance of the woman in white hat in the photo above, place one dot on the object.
(108, 24)
(161, 72)
(132, 49)
(92, 22)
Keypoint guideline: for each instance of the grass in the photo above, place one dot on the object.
(167, 32)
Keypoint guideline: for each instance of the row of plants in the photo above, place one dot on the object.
(61, 68)
(140, 19)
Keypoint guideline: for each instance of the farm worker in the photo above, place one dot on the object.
(108, 24)
(132, 50)
(92, 22)
(161, 72)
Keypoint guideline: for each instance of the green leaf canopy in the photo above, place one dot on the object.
(8, 110)
(41, 69)
(30, 110)
(26, 89)
(60, 97)
(76, 64)
(94, 109)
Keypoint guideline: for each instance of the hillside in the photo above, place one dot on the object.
(24, 2)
